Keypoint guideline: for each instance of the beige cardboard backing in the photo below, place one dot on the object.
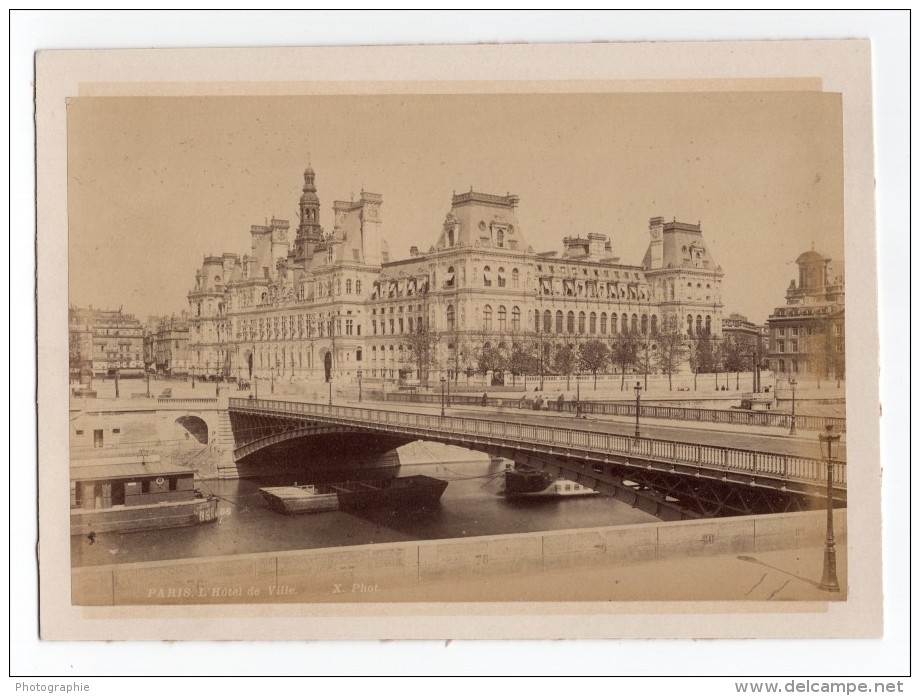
(831, 66)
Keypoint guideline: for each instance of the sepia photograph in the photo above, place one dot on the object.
(383, 349)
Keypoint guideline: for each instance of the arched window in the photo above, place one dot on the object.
(603, 322)
(500, 238)
(357, 287)
(501, 277)
(502, 316)
(708, 325)
(487, 318)
(581, 322)
(450, 237)
(547, 321)
(450, 317)
(410, 324)
(570, 322)
(348, 286)
(624, 324)
(645, 324)
(699, 325)
(559, 321)
(515, 319)
(592, 326)
(654, 325)
(515, 278)
(338, 286)
(689, 324)
(487, 276)
(449, 280)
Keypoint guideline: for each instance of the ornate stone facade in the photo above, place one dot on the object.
(807, 334)
(334, 303)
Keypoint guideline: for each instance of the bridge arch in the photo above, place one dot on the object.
(192, 428)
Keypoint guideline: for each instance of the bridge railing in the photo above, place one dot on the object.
(619, 408)
(187, 401)
(792, 467)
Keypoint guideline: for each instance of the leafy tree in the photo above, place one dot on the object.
(672, 346)
(523, 359)
(422, 350)
(824, 347)
(625, 349)
(491, 359)
(646, 356)
(565, 360)
(736, 352)
(594, 356)
(701, 356)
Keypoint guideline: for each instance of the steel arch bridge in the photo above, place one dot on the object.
(672, 480)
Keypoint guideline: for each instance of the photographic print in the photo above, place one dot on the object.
(383, 350)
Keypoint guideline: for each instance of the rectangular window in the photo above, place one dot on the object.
(782, 331)
(97, 438)
(117, 431)
(795, 346)
(781, 347)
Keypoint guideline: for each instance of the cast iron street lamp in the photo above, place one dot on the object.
(792, 384)
(638, 389)
(330, 390)
(442, 395)
(754, 372)
(255, 381)
(273, 380)
(829, 577)
(359, 386)
(148, 383)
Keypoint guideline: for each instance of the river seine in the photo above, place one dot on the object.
(471, 506)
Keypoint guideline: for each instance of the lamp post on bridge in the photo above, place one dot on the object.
(359, 386)
(792, 430)
(330, 390)
(638, 389)
(829, 576)
(255, 381)
(442, 395)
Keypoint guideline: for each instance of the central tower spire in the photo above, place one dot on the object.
(309, 230)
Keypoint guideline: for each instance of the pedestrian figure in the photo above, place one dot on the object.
(560, 402)
(92, 538)
(484, 398)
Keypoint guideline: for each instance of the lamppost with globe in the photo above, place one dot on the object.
(829, 576)
(638, 389)
(442, 395)
(792, 430)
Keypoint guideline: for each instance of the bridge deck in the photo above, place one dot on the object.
(572, 439)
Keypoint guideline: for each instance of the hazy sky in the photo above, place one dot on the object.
(157, 183)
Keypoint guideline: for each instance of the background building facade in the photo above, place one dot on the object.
(105, 340)
(330, 303)
(807, 333)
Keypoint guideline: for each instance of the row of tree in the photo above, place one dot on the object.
(536, 354)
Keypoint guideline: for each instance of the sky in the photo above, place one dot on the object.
(157, 183)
